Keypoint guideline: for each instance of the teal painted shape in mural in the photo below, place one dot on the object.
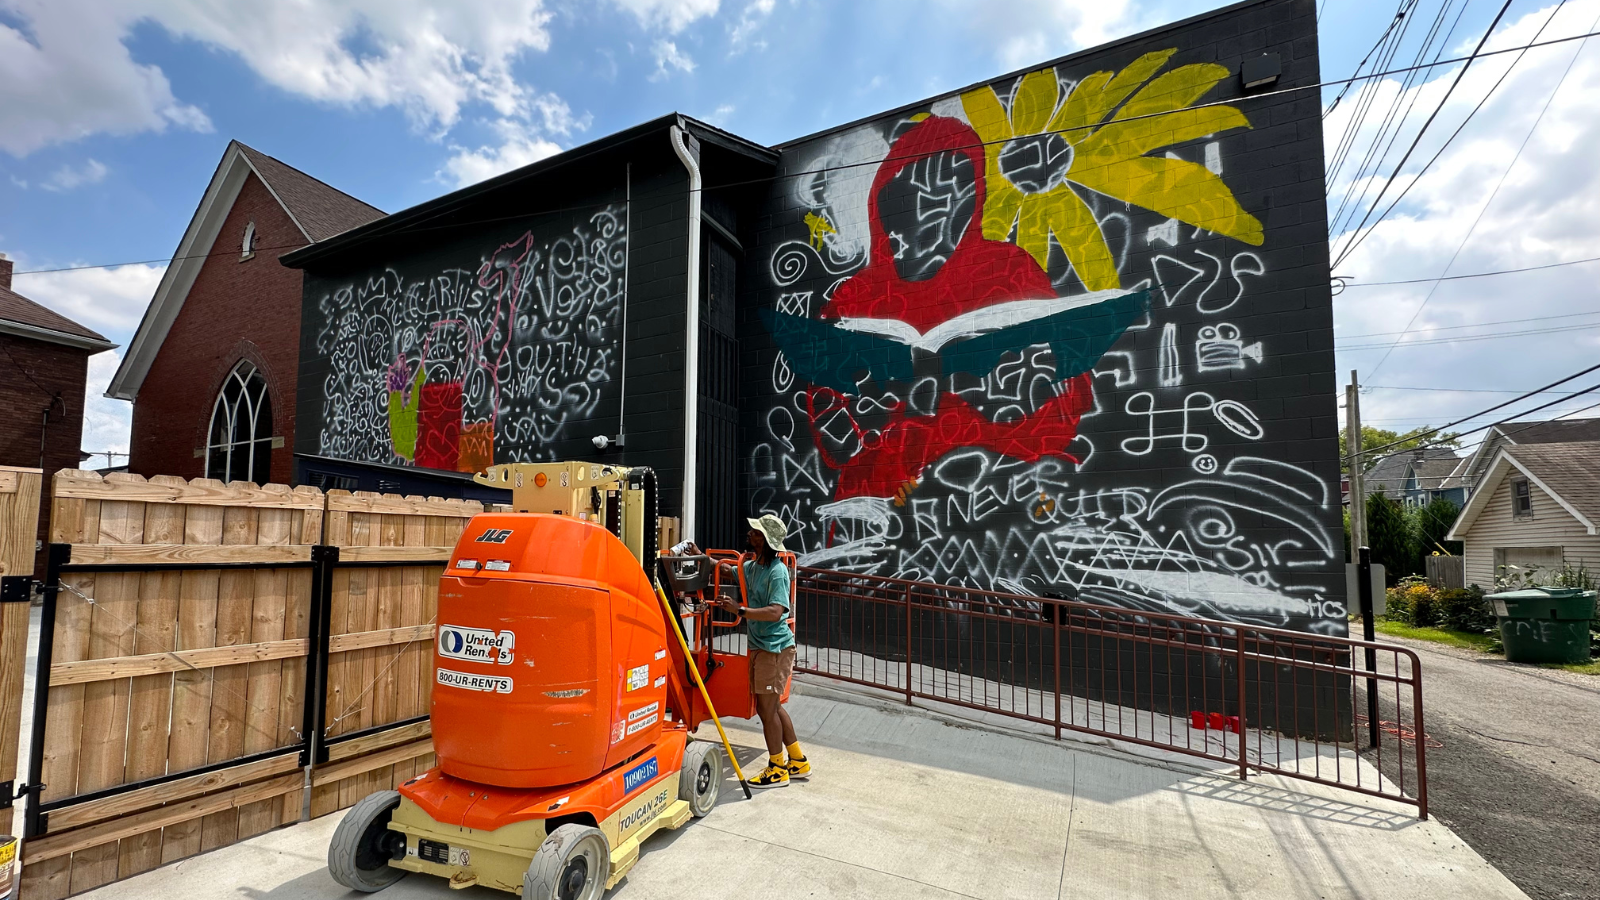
(829, 356)
(1077, 337)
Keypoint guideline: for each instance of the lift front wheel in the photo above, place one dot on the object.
(572, 864)
(358, 856)
(701, 777)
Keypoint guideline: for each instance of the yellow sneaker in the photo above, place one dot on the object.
(799, 768)
(774, 776)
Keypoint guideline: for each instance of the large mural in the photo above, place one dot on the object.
(464, 366)
(1022, 339)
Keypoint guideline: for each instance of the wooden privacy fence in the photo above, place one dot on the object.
(1446, 571)
(211, 651)
(19, 523)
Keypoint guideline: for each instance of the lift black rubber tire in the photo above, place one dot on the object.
(572, 864)
(356, 857)
(700, 779)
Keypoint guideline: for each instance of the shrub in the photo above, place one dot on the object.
(1414, 602)
(1464, 609)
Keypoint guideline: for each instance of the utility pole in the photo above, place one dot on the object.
(1352, 443)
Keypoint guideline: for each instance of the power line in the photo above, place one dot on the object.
(1480, 54)
(1556, 265)
(1559, 381)
(1397, 387)
(1498, 185)
(1424, 130)
(1476, 324)
(1558, 329)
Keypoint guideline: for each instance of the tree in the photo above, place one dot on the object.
(1389, 536)
(1433, 523)
(1372, 438)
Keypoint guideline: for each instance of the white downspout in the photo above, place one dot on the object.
(691, 356)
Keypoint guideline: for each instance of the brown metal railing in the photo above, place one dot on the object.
(1264, 700)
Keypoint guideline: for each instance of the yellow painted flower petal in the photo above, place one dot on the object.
(1097, 102)
(1034, 102)
(986, 116)
(1000, 205)
(1177, 188)
(1174, 90)
(1072, 120)
(1128, 139)
(1079, 235)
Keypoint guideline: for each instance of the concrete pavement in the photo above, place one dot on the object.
(909, 803)
(1518, 775)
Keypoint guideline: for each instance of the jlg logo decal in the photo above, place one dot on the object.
(494, 536)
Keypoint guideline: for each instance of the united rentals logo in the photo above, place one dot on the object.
(477, 644)
(494, 536)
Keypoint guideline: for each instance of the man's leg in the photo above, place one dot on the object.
(775, 724)
(786, 726)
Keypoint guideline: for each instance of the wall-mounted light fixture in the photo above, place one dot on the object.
(1261, 71)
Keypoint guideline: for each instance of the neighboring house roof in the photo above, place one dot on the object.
(1432, 467)
(1569, 472)
(1522, 433)
(22, 317)
(1434, 472)
(317, 210)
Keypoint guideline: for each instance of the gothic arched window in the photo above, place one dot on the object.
(239, 447)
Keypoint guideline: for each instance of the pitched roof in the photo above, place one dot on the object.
(1568, 471)
(31, 320)
(1551, 432)
(1431, 465)
(321, 211)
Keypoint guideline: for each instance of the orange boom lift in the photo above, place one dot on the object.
(564, 698)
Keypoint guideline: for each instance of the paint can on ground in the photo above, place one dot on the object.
(8, 864)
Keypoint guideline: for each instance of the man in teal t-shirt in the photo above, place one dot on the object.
(766, 614)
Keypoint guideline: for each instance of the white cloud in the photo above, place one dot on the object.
(66, 178)
(517, 148)
(668, 55)
(721, 115)
(69, 75)
(67, 72)
(1547, 211)
(109, 300)
(740, 33)
(107, 423)
(1023, 32)
(671, 16)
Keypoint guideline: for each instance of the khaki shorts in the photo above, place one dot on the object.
(770, 672)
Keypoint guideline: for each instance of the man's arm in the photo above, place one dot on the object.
(773, 612)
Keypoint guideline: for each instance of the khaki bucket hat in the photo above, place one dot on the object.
(772, 527)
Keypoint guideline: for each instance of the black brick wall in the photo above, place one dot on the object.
(1238, 520)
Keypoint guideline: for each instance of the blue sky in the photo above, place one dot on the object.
(113, 114)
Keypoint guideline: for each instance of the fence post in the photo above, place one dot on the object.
(34, 823)
(313, 752)
(19, 527)
(1056, 612)
(1244, 770)
(907, 596)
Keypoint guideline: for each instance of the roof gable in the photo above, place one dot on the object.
(317, 210)
(1573, 465)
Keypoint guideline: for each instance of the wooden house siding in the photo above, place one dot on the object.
(1549, 526)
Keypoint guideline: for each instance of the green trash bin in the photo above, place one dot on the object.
(1545, 625)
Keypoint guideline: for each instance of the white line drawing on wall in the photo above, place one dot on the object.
(1171, 365)
(1219, 347)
